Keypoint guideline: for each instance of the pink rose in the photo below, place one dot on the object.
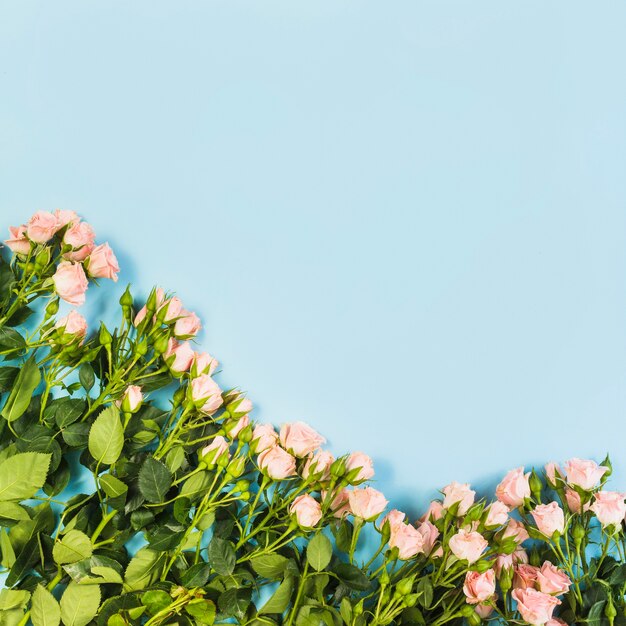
(339, 504)
(188, 325)
(584, 474)
(549, 518)
(362, 461)
(307, 511)
(407, 539)
(517, 530)
(468, 545)
(479, 587)
(70, 282)
(132, 399)
(237, 404)
(525, 576)
(300, 439)
(497, 514)
(42, 227)
(102, 263)
(461, 493)
(277, 463)
(318, 465)
(64, 217)
(73, 324)
(264, 437)
(552, 580)
(394, 517)
(81, 237)
(178, 356)
(203, 363)
(609, 508)
(484, 610)
(17, 241)
(534, 606)
(555, 621)
(239, 425)
(205, 394)
(574, 503)
(429, 533)
(514, 488)
(508, 561)
(435, 511)
(216, 449)
(366, 503)
(553, 472)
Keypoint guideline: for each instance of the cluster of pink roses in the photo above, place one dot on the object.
(79, 255)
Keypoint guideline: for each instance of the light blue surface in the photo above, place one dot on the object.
(402, 222)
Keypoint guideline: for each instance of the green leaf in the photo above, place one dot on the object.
(280, 599)
(319, 552)
(222, 556)
(112, 486)
(106, 437)
(202, 610)
(352, 577)
(424, 589)
(7, 377)
(13, 511)
(156, 600)
(11, 340)
(44, 610)
(13, 599)
(24, 562)
(64, 411)
(79, 604)
(86, 376)
(269, 566)
(23, 475)
(196, 485)
(74, 546)
(8, 554)
(143, 570)
(196, 576)
(25, 384)
(155, 480)
(76, 435)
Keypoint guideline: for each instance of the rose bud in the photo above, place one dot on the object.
(216, 450)
(584, 474)
(514, 488)
(264, 437)
(132, 399)
(101, 263)
(359, 467)
(318, 466)
(203, 363)
(187, 325)
(479, 587)
(70, 283)
(80, 238)
(366, 503)
(300, 439)
(178, 356)
(17, 241)
(277, 463)
(467, 545)
(72, 327)
(457, 493)
(205, 394)
(549, 518)
(306, 510)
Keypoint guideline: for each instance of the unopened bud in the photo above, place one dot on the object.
(105, 336)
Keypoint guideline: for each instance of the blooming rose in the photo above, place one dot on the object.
(203, 363)
(609, 507)
(366, 503)
(479, 587)
(307, 511)
(81, 237)
(70, 282)
(525, 576)
(514, 488)
(553, 471)
(534, 606)
(217, 448)
(188, 325)
(429, 533)
(507, 561)
(300, 439)
(132, 398)
(394, 517)
(206, 394)
(264, 437)
(277, 463)
(73, 324)
(179, 356)
(362, 461)
(549, 518)
(339, 503)
(318, 465)
(407, 539)
(584, 474)
(17, 241)
(461, 493)
(64, 217)
(550, 579)
(468, 545)
(41, 227)
(497, 514)
(434, 512)
(102, 263)
(517, 530)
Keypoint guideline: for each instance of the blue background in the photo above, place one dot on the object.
(402, 222)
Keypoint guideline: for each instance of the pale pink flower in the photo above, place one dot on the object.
(434, 512)
(102, 263)
(17, 241)
(584, 473)
(318, 465)
(239, 425)
(609, 507)
(430, 534)
(507, 561)
(203, 363)
(41, 227)
(514, 488)
(80, 236)
(339, 504)
(461, 493)
(366, 503)
(468, 545)
(497, 514)
(206, 394)
(73, 324)
(479, 587)
(549, 518)
(277, 463)
(484, 610)
(64, 217)
(264, 437)
(553, 472)
(300, 439)
(178, 356)
(534, 606)
(407, 539)
(216, 449)
(70, 282)
(187, 325)
(525, 576)
(307, 511)
(550, 579)
(132, 398)
(517, 530)
(362, 461)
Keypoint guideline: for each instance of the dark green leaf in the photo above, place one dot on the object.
(222, 556)
(155, 480)
(25, 384)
